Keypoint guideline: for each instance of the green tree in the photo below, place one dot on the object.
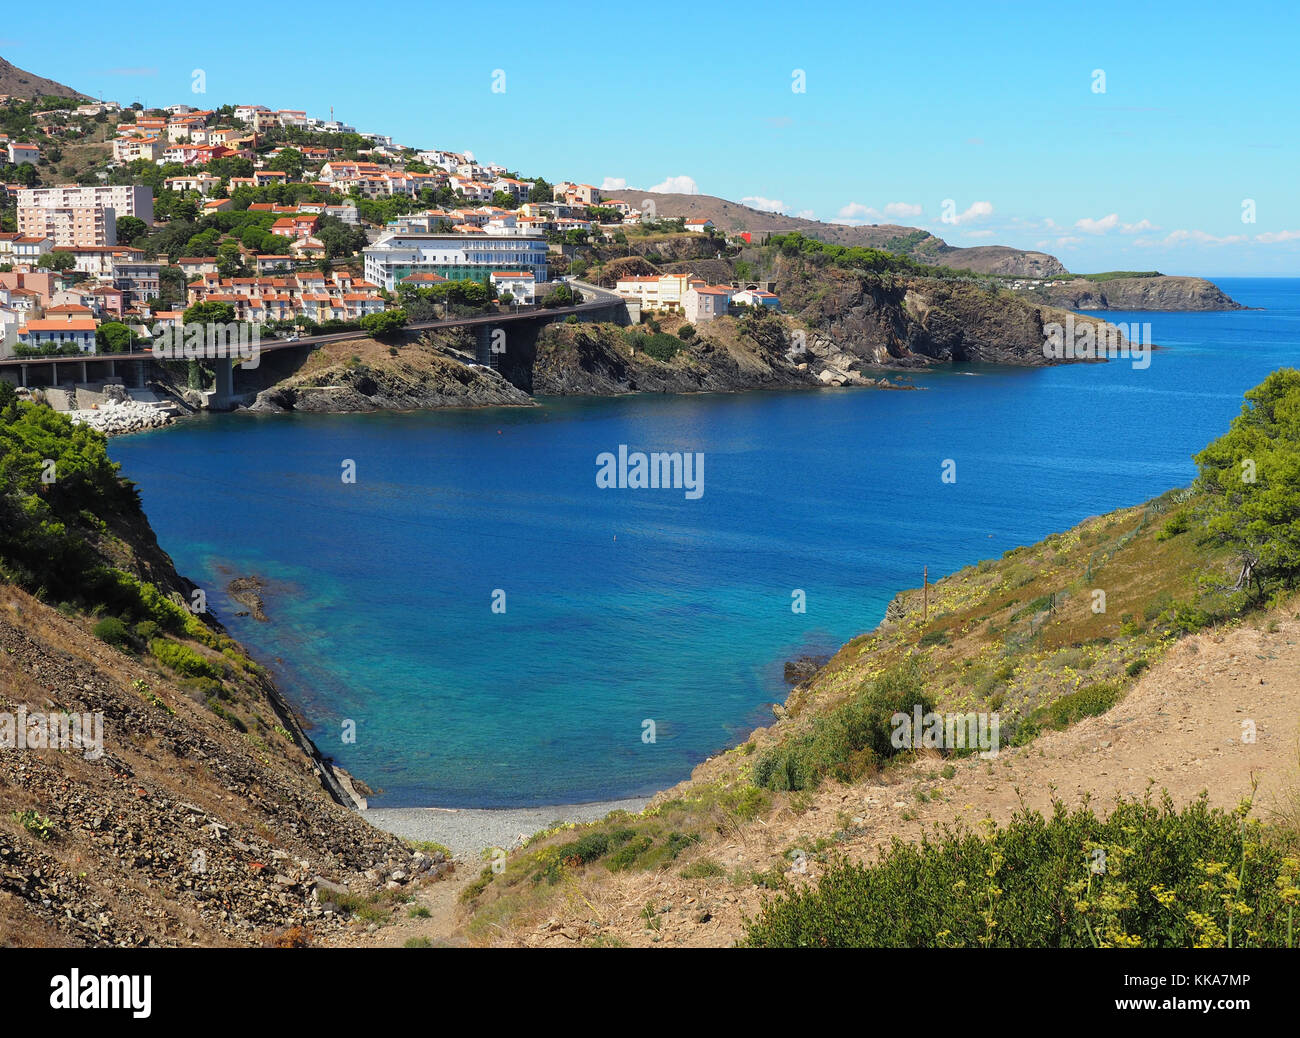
(288, 161)
(129, 228)
(541, 191)
(339, 238)
(561, 295)
(114, 337)
(1252, 474)
(385, 324)
(215, 313)
(57, 261)
(230, 261)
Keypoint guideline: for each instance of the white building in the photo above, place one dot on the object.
(756, 297)
(60, 331)
(520, 284)
(454, 256)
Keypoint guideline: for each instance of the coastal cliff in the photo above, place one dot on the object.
(1161, 292)
(900, 321)
(190, 807)
(365, 375)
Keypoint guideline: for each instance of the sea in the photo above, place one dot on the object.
(467, 615)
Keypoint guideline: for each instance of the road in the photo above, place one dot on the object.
(602, 302)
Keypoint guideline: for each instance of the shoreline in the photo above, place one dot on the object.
(470, 831)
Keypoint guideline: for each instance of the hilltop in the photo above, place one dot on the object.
(912, 242)
(18, 82)
(1156, 292)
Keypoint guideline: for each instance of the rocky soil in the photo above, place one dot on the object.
(185, 830)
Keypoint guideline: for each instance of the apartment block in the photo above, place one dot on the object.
(124, 200)
(75, 226)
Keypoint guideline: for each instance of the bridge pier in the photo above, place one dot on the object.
(224, 392)
(24, 371)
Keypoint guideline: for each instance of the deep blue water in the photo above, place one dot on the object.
(627, 605)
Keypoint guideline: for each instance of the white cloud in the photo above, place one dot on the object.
(1140, 226)
(854, 212)
(613, 184)
(1184, 237)
(977, 211)
(681, 185)
(902, 209)
(806, 214)
(1067, 241)
(768, 205)
(859, 213)
(1091, 226)
(980, 234)
(1270, 237)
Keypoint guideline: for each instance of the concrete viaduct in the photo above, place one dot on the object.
(599, 304)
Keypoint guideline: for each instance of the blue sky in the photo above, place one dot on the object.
(994, 106)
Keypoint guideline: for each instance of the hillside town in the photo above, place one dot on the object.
(297, 224)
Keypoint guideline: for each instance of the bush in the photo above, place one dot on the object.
(686, 332)
(112, 630)
(1199, 877)
(1180, 522)
(659, 345)
(146, 630)
(182, 659)
(847, 741)
(1086, 702)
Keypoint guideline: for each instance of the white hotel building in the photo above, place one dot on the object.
(453, 256)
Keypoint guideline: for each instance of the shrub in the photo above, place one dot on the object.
(1086, 702)
(182, 659)
(847, 741)
(146, 630)
(686, 332)
(112, 630)
(1179, 522)
(659, 345)
(40, 827)
(1199, 877)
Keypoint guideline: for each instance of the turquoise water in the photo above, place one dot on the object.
(623, 606)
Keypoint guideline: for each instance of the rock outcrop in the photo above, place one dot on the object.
(363, 375)
(901, 321)
(1163, 292)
